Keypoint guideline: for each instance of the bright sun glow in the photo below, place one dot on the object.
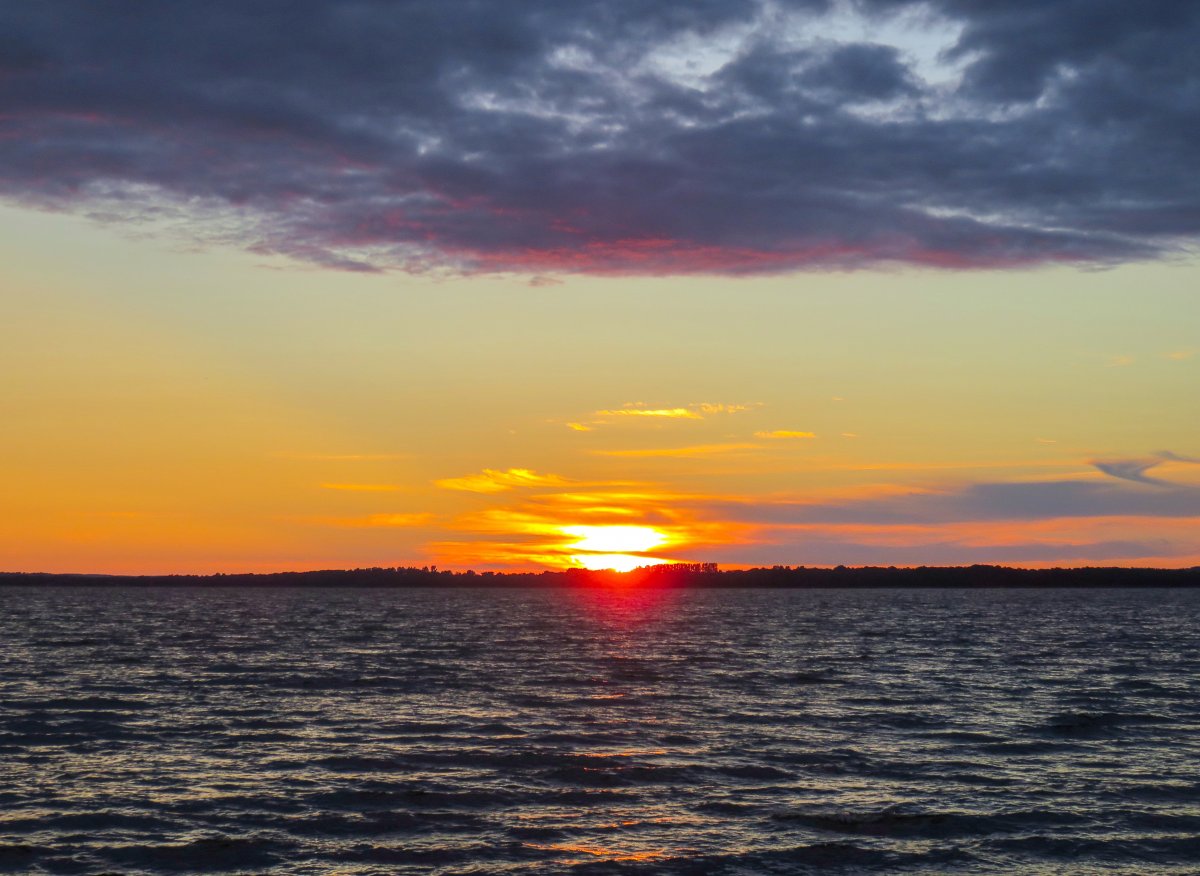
(618, 539)
(616, 562)
(614, 547)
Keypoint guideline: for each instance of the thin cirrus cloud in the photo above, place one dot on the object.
(784, 433)
(697, 411)
(640, 411)
(548, 137)
(658, 413)
(687, 452)
(495, 481)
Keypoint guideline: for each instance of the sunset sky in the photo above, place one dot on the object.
(543, 284)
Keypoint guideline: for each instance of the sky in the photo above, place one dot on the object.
(539, 285)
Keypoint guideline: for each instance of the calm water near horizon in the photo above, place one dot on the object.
(600, 731)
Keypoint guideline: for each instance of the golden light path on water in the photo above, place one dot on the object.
(621, 548)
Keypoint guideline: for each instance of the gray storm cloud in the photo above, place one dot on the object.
(617, 137)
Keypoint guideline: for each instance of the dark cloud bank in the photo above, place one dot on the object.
(1130, 493)
(617, 136)
(998, 501)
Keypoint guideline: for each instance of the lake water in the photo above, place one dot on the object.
(550, 731)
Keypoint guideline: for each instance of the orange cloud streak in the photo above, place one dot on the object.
(492, 481)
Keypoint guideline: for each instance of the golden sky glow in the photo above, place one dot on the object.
(171, 411)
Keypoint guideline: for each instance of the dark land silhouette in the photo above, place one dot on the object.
(681, 575)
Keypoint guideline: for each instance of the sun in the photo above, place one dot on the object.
(621, 548)
(615, 539)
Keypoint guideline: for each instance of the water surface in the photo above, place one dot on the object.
(551, 731)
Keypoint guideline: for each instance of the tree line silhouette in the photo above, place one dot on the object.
(682, 575)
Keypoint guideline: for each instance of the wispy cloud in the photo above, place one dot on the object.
(494, 481)
(688, 452)
(662, 413)
(720, 408)
(547, 528)
(634, 411)
(1181, 355)
(784, 433)
(1130, 470)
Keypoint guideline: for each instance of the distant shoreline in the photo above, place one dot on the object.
(688, 576)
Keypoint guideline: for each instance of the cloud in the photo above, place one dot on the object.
(552, 528)
(1181, 355)
(662, 413)
(994, 501)
(1177, 457)
(1026, 523)
(1130, 470)
(720, 408)
(696, 411)
(688, 452)
(639, 410)
(785, 433)
(493, 481)
(549, 137)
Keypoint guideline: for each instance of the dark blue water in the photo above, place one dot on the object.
(426, 731)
